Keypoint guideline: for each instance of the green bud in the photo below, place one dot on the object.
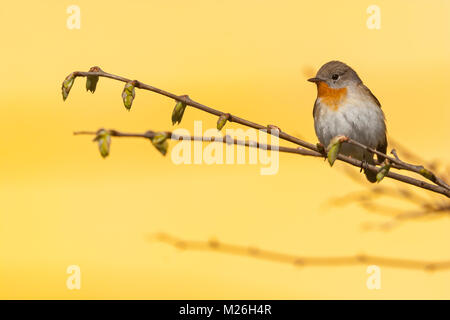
(333, 149)
(91, 81)
(222, 121)
(383, 172)
(160, 142)
(104, 141)
(67, 85)
(178, 111)
(128, 95)
(427, 174)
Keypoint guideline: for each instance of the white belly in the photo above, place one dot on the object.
(364, 124)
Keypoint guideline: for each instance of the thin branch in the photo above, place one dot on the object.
(300, 261)
(438, 187)
(425, 208)
(227, 140)
(399, 164)
(410, 215)
(150, 134)
(378, 191)
(411, 156)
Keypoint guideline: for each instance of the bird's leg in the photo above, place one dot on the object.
(322, 150)
(321, 147)
(364, 164)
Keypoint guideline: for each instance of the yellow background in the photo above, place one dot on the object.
(61, 204)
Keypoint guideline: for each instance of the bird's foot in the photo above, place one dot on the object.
(320, 147)
(364, 165)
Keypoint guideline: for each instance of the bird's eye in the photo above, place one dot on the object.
(335, 76)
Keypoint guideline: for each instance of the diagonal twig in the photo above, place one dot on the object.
(438, 187)
(227, 140)
(399, 164)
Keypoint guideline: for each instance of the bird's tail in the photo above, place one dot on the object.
(371, 176)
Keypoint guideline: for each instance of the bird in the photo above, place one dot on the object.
(346, 107)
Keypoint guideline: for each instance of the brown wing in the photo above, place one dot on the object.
(367, 90)
(382, 147)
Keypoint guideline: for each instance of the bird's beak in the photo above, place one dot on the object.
(315, 80)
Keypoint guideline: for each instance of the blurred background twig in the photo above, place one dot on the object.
(371, 197)
(214, 245)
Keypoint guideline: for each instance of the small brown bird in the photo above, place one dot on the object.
(345, 106)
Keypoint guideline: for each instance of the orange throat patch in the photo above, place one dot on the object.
(329, 96)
